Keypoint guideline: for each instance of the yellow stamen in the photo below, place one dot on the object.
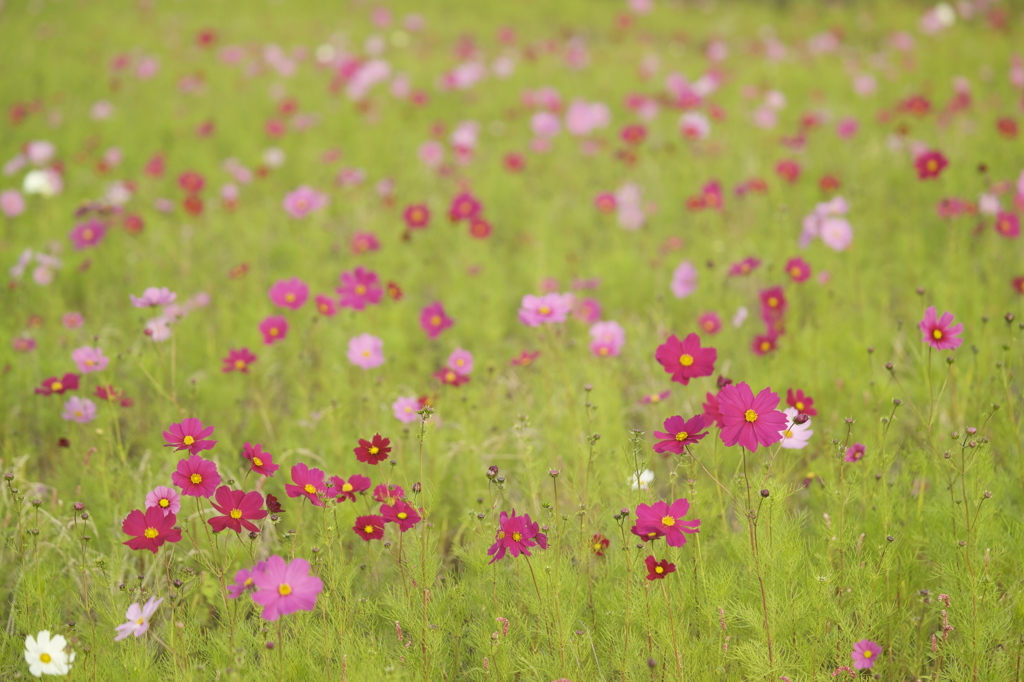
(165, 503)
(937, 334)
(659, 570)
(151, 533)
(257, 461)
(56, 386)
(310, 489)
(284, 590)
(668, 521)
(188, 440)
(45, 658)
(517, 536)
(239, 364)
(685, 359)
(750, 416)
(196, 479)
(681, 436)
(367, 529)
(403, 516)
(347, 488)
(236, 513)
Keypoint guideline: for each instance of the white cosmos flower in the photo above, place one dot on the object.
(642, 481)
(46, 656)
(795, 436)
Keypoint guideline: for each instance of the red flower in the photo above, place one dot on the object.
(238, 510)
(479, 228)
(665, 519)
(801, 402)
(685, 359)
(711, 411)
(516, 534)
(598, 544)
(773, 306)
(373, 451)
(110, 393)
(394, 291)
(449, 377)
(525, 358)
(788, 170)
(765, 343)
(1018, 284)
(369, 527)
(273, 506)
(744, 267)
(150, 529)
(400, 513)
(1008, 225)
(798, 269)
(51, 385)
(657, 570)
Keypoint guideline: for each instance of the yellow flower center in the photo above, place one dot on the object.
(324, 308)
(56, 386)
(659, 570)
(869, 653)
(544, 310)
(787, 433)
(90, 363)
(309, 488)
(273, 331)
(239, 364)
(140, 621)
(367, 529)
(236, 513)
(501, 535)
(374, 450)
(603, 351)
(151, 533)
(188, 440)
(87, 234)
(750, 416)
(347, 488)
(165, 503)
(284, 589)
(449, 376)
(681, 436)
(366, 353)
(360, 289)
(655, 398)
(937, 334)
(668, 521)
(800, 406)
(403, 515)
(932, 165)
(652, 534)
(685, 359)
(290, 298)
(795, 271)
(257, 461)
(597, 546)
(517, 536)
(435, 321)
(766, 345)
(196, 479)
(773, 302)
(45, 658)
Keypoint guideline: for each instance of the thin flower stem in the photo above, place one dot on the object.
(672, 625)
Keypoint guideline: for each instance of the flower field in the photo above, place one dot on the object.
(626, 340)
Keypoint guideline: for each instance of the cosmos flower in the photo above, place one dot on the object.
(308, 483)
(657, 570)
(151, 529)
(238, 509)
(865, 653)
(373, 451)
(165, 499)
(238, 360)
(366, 351)
(359, 288)
(679, 433)
(750, 421)
(138, 619)
(274, 328)
(197, 477)
(685, 359)
(89, 359)
(81, 410)
(433, 320)
(401, 513)
(347, 489)
(289, 293)
(283, 588)
(666, 520)
(369, 527)
(260, 461)
(153, 296)
(515, 536)
(405, 409)
(854, 453)
(51, 385)
(795, 436)
(189, 435)
(941, 333)
(46, 655)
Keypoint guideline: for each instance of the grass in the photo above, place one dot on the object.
(774, 586)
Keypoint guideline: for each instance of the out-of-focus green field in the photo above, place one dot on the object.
(846, 551)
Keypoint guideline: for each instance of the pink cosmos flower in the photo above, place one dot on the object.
(346, 490)
(89, 359)
(88, 234)
(304, 201)
(607, 339)
(359, 288)
(363, 242)
(153, 296)
(711, 323)
(401, 513)
(941, 333)
(865, 653)
(274, 328)
(243, 581)
(12, 204)
(405, 409)
(289, 293)
(325, 305)
(684, 280)
(549, 308)
(516, 534)
(238, 360)
(587, 310)
(664, 519)
(798, 269)
(72, 320)
(464, 207)
(1007, 224)
(679, 433)
(366, 351)
(165, 499)
(654, 398)
(138, 619)
(854, 453)
(685, 359)
(836, 232)
(749, 420)
(433, 320)
(197, 477)
(795, 436)
(283, 588)
(930, 164)
(461, 361)
(238, 509)
(150, 529)
(58, 385)
(260, 461)
(189, 435)
(744, 267)
(309, 483)
(81, 410)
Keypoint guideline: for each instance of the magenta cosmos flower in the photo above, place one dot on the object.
(243, 581)
(401, 513)
(238, 510)
(662, 518)
(197, 477)
(679, 433)
(516, 534)
(89, 359)
(930, 164)
(309, 483)
(238, 360)
(284, 588)
(260, 461)
(607, 339)
(150, 530)
(549, 308)
(359, 288)
(941, 333)
(274, 328)
(304, 201)
(153, 296)
(685, 359)
(189, 435)
(366, 351)
(434, 320)
(854, 453)
(289, 293)
(165, 499)
(346, 490)
(865, 653)
(88, 234)
(748, 420)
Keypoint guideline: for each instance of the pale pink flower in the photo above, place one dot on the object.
(304, 201)
(89, 359)
(12, 204)
(607, 338)
(366, 351)
(461, 361)
(405, 409)
(153, 296)
(81, 410)
(684, 280)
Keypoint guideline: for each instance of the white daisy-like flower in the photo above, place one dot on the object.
(795, 436)
(642, 481)
(46, 655)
